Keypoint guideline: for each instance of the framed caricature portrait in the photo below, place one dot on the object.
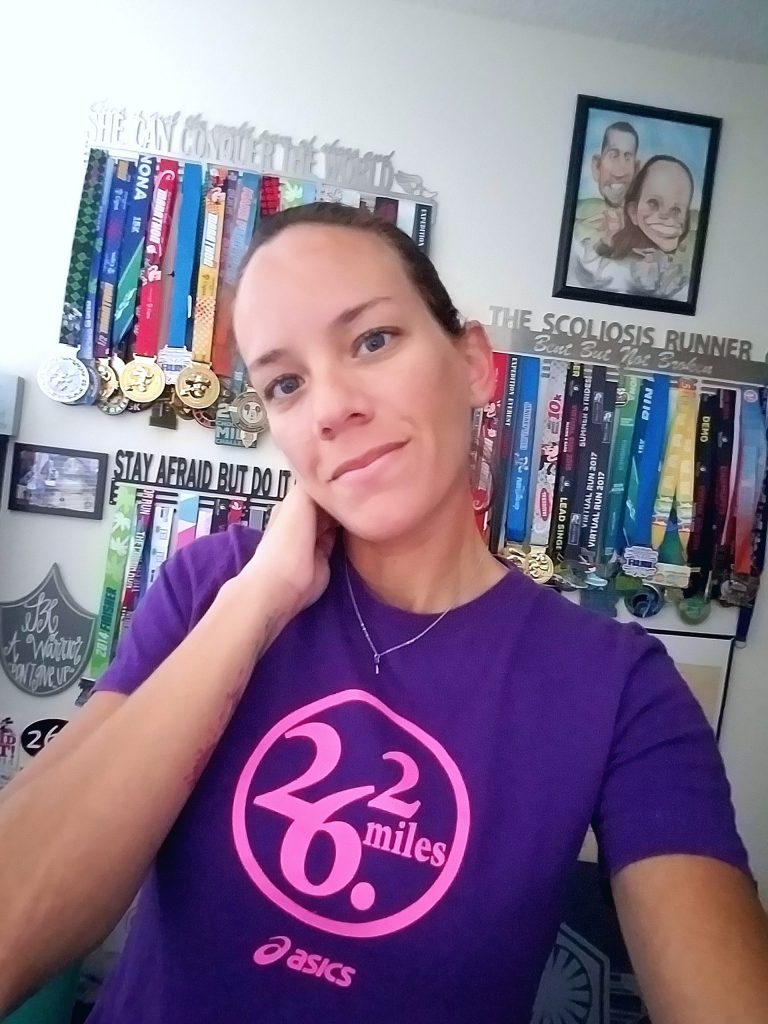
(636, 206)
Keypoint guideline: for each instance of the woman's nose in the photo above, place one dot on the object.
(338, 401)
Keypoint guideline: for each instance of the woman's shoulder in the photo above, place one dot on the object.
(579, 641)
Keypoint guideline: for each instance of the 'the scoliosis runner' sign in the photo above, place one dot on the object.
(628, 346)
(45, 638)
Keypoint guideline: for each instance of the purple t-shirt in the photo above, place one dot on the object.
(368, 848)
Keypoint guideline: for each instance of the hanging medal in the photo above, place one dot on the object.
(526, 397)
(554, 374)
(741, 586)
(118, 207)
(132, 588)
(759, 538)
(197, 386)
(695, 605)
(63, 377)
(222, 352)
(639, 558)
(129, 267)
(230, 416)
(175, 356)
(621, 452)
(142, 380)
(566, 473)
(88, 329)
(114, 575)
(675, 492)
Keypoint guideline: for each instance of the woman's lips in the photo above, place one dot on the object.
(368, 464)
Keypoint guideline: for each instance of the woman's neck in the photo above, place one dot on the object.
(440, 564)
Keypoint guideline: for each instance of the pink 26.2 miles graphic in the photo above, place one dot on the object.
(351, 818)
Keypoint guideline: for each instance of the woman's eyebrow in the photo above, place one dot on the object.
(346, 317)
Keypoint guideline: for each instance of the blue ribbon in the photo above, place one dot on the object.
(186, 245)
(525, 428)
(650, 461)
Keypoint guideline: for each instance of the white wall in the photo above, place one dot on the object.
(482, 109)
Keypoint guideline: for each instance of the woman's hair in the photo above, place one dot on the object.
(416, 263)
(630, 237)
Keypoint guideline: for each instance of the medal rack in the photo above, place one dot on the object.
(146, 322)
(552, 443)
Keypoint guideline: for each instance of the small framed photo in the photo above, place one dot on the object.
(57, 481)
(636, 206)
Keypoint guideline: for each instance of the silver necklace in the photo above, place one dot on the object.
(377, 656)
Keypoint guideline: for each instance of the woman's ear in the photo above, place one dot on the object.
(631, 210)
(476, 347)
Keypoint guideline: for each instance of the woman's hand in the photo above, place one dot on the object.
(292, 559)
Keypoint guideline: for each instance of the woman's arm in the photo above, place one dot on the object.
(698, 940)
(96, 711)
(80, 834)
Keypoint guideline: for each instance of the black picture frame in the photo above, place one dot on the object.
(604, 255)
(61, 487)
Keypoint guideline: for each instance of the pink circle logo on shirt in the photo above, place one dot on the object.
(351, 818)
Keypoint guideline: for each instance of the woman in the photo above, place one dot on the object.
(356, 763)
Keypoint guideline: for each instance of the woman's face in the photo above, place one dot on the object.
(368, 398)
(662, 206)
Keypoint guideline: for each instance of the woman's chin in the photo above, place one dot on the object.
(379, 521)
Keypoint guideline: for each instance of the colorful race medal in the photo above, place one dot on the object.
(62, 376)
(143, 380)
(175, 356)
(118, 205)
(197, 385)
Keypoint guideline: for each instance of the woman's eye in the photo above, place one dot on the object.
(283, 387)
(652, 204)
(375, 340)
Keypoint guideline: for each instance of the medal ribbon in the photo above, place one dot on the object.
(629, 519)
(238, 229)
(724, 451)
(132, 589)
(186, 244)
(751, 474)
(132, 253)
(701, 545)
(619, 468)
(223, 349)
(162, 525)
(82, 248)
(504, 444)
(573, 535)
(554, 373)
(519, 480)
(118, 207)
(114, 574)
(676, 480)
(150, 298)
(88, 330)
(759, 537)
(567, 463)
(593, 526)
(648, 463)
(594, 444)
(208, 273)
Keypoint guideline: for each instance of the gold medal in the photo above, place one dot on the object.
(108, 379)
(198, 386)
(142, 380)
(540, 566)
